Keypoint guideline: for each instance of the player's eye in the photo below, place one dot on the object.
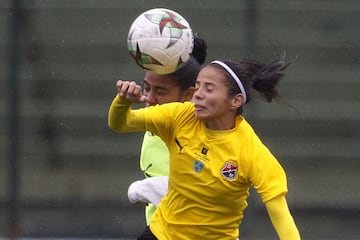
(161, 92)
(209, 89)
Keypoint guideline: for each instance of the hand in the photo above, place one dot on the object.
(130, 90)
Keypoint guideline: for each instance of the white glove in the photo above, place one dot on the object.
(148, 190)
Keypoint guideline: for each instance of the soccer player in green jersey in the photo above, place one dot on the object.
(215, 155)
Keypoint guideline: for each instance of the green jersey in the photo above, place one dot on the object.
(154, 161)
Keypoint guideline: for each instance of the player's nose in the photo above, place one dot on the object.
(151, 99)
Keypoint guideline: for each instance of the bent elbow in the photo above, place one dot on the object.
(115, 127)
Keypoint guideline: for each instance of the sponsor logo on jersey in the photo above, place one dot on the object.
(198, 166)
(229, 171)
(179, 145)
(204, 150)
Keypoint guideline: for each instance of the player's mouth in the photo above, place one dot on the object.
(199, 108)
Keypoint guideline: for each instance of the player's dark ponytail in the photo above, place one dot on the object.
(255, 75)
(267, 78)
(200, 49)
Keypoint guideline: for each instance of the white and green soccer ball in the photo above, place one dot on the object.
(160, 40)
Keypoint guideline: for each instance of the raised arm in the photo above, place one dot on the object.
(281, 218)
(120, 116)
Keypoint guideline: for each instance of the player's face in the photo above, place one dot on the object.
(213, 105)
(159, 89)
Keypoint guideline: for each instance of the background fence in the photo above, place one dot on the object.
(63, 173)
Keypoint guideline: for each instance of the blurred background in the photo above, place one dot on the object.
(64, 174)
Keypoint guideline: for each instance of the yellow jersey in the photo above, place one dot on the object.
(210, 171)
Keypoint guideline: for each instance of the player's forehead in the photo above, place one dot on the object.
(210, 75)
(158, 81)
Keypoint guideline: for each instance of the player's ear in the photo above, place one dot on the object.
(189, 94)
(237, 101)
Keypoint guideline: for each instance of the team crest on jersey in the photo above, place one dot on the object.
(229, 171)
(198, 166)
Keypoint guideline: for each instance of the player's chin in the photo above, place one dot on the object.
(201, 114)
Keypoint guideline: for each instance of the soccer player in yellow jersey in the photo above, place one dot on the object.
(215, 155)
(154, 157)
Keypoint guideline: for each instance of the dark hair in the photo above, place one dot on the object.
(186, 75)
(255, 75)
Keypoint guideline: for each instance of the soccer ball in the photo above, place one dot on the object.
(160, 40)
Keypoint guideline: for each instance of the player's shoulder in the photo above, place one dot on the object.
(179, 106)
(245, 130)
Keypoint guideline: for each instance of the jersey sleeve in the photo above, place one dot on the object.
(121, 118)
(265, 173)
(159, 119)
(281, 219)
(163, 119)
